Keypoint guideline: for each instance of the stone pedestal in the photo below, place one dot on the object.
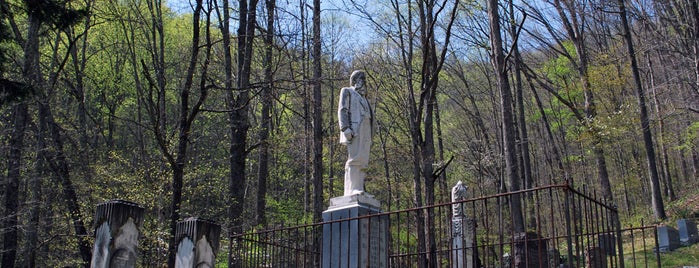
(668, 238)
(117, 225)
(354, 243)
(198, 241)
(688, 231)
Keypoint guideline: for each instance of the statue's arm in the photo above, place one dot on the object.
(343, 111)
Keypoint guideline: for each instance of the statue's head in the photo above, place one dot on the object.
(356, 75)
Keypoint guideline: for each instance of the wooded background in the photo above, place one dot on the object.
(226, 110)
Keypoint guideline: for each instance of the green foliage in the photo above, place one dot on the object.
(690, 137)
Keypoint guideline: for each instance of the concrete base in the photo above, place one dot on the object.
(349, 242)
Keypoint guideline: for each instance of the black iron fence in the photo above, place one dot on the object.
(559, 227)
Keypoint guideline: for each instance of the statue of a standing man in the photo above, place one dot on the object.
(355, 117)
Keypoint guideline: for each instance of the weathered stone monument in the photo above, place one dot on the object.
(607, 243)
(688, 231)
(117, 225)
(198, 242)
(554, 258)
(530, 250)
(595, 258)
(359, 242)
(463, 244)
(668, 238)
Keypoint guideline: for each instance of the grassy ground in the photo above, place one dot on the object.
(640, 257)
(636, 256)
(684, 256)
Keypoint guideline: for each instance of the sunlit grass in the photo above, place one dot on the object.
(684, 256)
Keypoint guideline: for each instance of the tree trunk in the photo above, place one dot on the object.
(35, 192)
(657, 201)
(266, 117)
(573, 21)
(521, 124)
(317, 117)
(508, 127)
(238, 116)
(14, 165)
(444, 192)
(186, 117)
(664, 160)
(58, 163)
(549, 133)
(19, 117)
(234, 196)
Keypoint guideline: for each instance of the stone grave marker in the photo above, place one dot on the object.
(668, 238)
(117, 224)
(198, 241)
(687, 231)
(464, 253)
(607, 243)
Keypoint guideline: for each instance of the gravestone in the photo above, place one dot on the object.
(198, 241)
(530, 250)
(463, 231)
(687, 231)
(554, 258)
(117, 225)
(668, 238)
(607, 243)
(354, 243)
(595, 258)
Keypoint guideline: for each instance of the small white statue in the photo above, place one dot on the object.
(355, 118)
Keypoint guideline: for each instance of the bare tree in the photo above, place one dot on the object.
(507, 114)
(237, 102)
(572, 16)
(317, 116)
(657, 200)
(265, 114)
(177, 158)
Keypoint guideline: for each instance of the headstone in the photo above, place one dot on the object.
(117, 225)
(688, 231)
(354, 243)
(530, 250)
(506, 260)
(607, 243)
(463, 231)
(668, 238)
(595, 258)
(554, 258)
(197, 243)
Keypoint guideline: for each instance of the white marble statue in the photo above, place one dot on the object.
(355, 118)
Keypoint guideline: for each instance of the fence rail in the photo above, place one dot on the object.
(564, 228)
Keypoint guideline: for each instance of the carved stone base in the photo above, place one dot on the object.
(363, 199)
